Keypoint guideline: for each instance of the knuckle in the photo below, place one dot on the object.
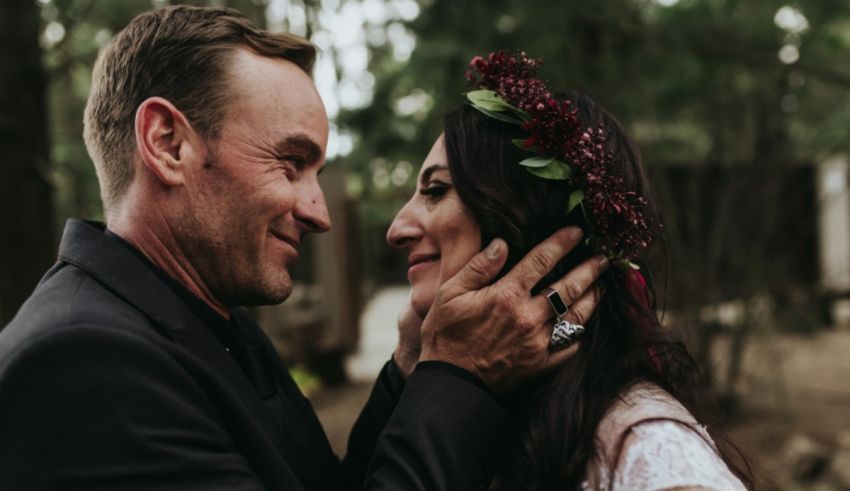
(525, 322)
(573, 290)
(510, 294)
(541, 345)
(576, 316)
(542, 260)
(477, 266)
(566, 240)
(581, 313)
(500, 304)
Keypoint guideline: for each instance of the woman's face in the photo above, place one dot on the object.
(437, 228)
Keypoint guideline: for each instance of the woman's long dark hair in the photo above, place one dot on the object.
(557, 419)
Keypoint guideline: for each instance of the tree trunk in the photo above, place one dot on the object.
(26, 196)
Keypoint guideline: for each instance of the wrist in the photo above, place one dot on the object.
(406, 360)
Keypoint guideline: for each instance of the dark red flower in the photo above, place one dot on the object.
(616, 216)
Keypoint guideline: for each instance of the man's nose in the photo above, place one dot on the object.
(312, 211)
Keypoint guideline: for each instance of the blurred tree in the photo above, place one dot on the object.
(26, 194)
(49, 48)
(727, 100)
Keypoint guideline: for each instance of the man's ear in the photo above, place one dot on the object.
(166, 141)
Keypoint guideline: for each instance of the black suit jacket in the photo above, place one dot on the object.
(109, 381)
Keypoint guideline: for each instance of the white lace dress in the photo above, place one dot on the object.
(649, 441)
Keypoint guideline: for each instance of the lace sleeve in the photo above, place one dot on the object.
(664, 454)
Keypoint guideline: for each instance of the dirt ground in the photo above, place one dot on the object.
(796, 406)
(794, 389)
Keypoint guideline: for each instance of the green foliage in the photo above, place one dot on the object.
(306, 380)
(488, 99)
(87, 25)
(576, 198)
(537, 161)
(697, 83)
(555, 169)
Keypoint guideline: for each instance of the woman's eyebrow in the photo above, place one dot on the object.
(426, 174)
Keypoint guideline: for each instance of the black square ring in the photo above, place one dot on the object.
(556, 302)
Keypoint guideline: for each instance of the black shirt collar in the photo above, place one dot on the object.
(227, 331)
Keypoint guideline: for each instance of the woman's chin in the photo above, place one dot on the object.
(421, 305)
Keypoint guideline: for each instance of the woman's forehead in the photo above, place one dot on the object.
(435, 160)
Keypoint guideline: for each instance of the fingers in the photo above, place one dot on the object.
(558, 358)
(537, 263)
(580, 312)
(582, 309)
(480, 270)
(574, 286)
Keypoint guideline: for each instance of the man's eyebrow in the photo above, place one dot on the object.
(426, 174)
(303, 143)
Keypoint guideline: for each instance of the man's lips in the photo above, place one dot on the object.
(293, 241)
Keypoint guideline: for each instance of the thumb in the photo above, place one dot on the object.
(480, 270)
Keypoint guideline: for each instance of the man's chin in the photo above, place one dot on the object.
(270, 293)
(276, 295)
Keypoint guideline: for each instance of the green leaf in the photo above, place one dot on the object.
(576, 198)
(489, 100)
(556, 170)
(625, 263)
(485, 96)
(520, 143)
(537, 161)
(497, 115)
(524, 116)
(492, 101)
(490, 106)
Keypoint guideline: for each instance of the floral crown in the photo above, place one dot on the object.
(507, 90)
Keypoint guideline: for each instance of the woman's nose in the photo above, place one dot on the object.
(405, 229)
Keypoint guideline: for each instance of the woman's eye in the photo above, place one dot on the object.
(434, 190)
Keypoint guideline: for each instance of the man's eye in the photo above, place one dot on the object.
(294, 159)
(292, 165)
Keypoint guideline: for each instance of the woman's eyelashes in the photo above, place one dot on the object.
(434, 190)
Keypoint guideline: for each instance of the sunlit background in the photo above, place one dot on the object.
(741, 110)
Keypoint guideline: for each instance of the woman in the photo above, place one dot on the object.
(519, 163)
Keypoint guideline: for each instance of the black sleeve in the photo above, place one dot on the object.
(98, 409)
(372, 420)
(446, 433)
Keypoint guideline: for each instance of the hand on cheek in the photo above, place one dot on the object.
(498, 332)
(406, 354)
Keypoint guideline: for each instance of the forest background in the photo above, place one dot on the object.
(735, 105)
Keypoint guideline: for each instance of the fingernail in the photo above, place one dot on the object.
(575, 233)
(603, 261)
(493, 249)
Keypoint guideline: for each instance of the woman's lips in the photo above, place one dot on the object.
(420, 261)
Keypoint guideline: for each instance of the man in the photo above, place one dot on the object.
(128, 367)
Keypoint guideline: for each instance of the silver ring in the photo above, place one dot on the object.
(557, 303)
(564, 334)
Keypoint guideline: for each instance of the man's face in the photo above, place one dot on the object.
(257, 194)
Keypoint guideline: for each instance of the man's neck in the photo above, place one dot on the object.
(160, 248)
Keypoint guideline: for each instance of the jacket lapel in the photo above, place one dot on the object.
(86, 246)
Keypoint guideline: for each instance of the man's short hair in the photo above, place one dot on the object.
(178, 53)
